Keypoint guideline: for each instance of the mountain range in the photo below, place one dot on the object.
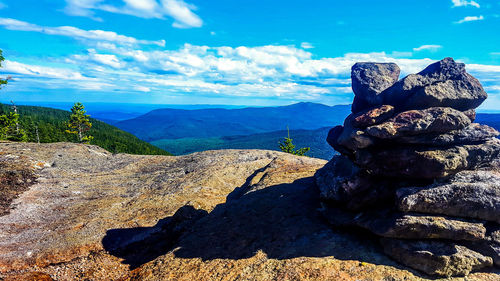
(216, 122)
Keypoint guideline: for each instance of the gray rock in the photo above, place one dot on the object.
(341, 181)
(474, 133)
(369, 80)
(470, 194)
(335, 178)
(435, 257)
(426, 162)
(391, 224)
(487, 248)
(444, 83)
(332, 138)
(373, 116)
(415, 122)
(353, 138)
(419, 226)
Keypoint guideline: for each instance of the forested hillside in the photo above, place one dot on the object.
(51, 125)
(217, 122)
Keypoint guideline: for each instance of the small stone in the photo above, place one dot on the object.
(435, 257)
(352, 138)
(373, 116)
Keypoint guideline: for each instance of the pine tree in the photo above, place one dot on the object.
(2, 81)
(79, 123)
(288, 146)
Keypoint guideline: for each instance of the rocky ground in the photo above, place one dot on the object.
(215, 215)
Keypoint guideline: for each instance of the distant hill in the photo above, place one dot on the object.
(213, 123)
(315, 139)
(51, 128)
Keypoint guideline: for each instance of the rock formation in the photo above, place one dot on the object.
(415, 170)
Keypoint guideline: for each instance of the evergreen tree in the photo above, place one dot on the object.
(79, 123)
(288, 146)
(9, 122)
(2, 81)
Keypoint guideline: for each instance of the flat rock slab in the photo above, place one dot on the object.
(260, 223)
(470, 194)
(434, 257)
(427, 163)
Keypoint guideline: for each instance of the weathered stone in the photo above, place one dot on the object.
(415, 122)
(427, 163)
(444, 83)
(373, 116)
(332, 138)
(471, 113)
(435, 257)
(391, 224)
(341, 181)
(470, 194)
(474, 133)
(418, 226)
(487, 248)
(334, 179)
(352, 138)
(369, 80)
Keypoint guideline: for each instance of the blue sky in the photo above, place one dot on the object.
(233, 51)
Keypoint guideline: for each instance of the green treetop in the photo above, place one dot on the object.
(2, 81)
(288, 146)
(79, 123)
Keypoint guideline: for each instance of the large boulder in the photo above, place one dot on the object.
(435, 257)
(369, 80)
(426, 162)
(470, 194)
(416, 122)
(444, 83)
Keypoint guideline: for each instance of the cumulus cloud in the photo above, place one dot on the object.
(76, 33)
(464, 3)
(180, 11)
(470, 18)
(431, 48)
(261, 72)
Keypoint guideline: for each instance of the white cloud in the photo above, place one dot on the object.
(76, 33)
(470, 18)
(13, 67)
(262, 72)
(180, 11)
(431, 48)
(306, 45)
(464, 3)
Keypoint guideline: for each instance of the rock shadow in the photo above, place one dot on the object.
(282, 220)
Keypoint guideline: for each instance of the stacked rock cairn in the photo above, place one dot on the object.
(415, 170)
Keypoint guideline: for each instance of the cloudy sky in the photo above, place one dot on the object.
(238, 52)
